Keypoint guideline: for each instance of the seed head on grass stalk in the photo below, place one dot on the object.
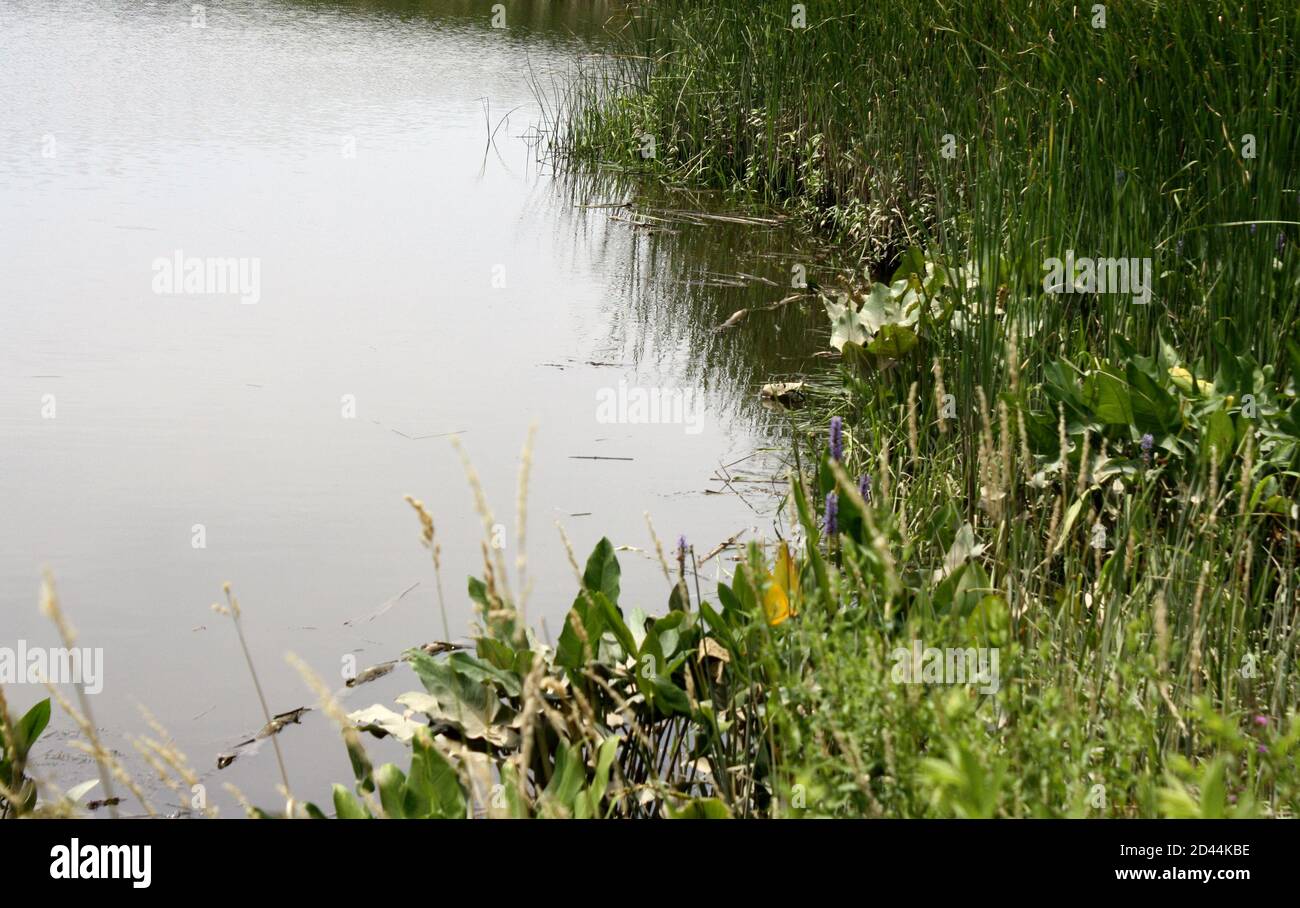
(430, 539)
(531, 704)
(939, 395)
(96, 750)
(333, 709)
(250, 810)
(521, 528)
(485, 514)
(913, 432)
(171, 755)
(659, 547)
(85, 720)
(9, 746)
(231, 609)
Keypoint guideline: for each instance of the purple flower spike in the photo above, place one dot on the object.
(837, 438)
(832, 514)
(864, 487)
(1147, 443)
(1261, 720)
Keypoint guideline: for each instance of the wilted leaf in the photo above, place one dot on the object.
(963, 548)
(76, 792)
(845, 327)
(371, 673)
(789, 393)
(381, 720)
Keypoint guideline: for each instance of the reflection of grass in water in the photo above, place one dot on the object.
(587, 19)
(678, 278)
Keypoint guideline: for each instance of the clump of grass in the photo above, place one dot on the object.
(1141, 588)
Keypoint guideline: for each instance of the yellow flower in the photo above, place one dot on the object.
(781, 597)
(1190, 385)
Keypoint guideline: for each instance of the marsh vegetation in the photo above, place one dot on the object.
(1091, 482)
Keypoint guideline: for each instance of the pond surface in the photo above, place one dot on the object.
(406, 278)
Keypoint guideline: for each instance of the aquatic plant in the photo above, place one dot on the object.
(17, 791)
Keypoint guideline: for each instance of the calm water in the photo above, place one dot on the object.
(413, 282)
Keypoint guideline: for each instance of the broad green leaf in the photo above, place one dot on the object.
(614, 623)
(972, 587)
(346, 805)
(911, 262)
(571, 652)
(604, 762)
(567, 780)
(1214, 793)
(1071, 515)
(654, 676)
(893, 341)
(515, 803)
(811, 533)
(459, 700)
(391, 783)
(32, 724)
(477, 669)
(1107, 397)
(1155, 410)
(962, 549)
(478, 593)
(433, 788)
(361, 768)
(504, 656)
(878, 310)
(1220, 434)
(602, 573)
(717, 624)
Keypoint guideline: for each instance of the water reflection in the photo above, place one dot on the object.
(679, 272)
